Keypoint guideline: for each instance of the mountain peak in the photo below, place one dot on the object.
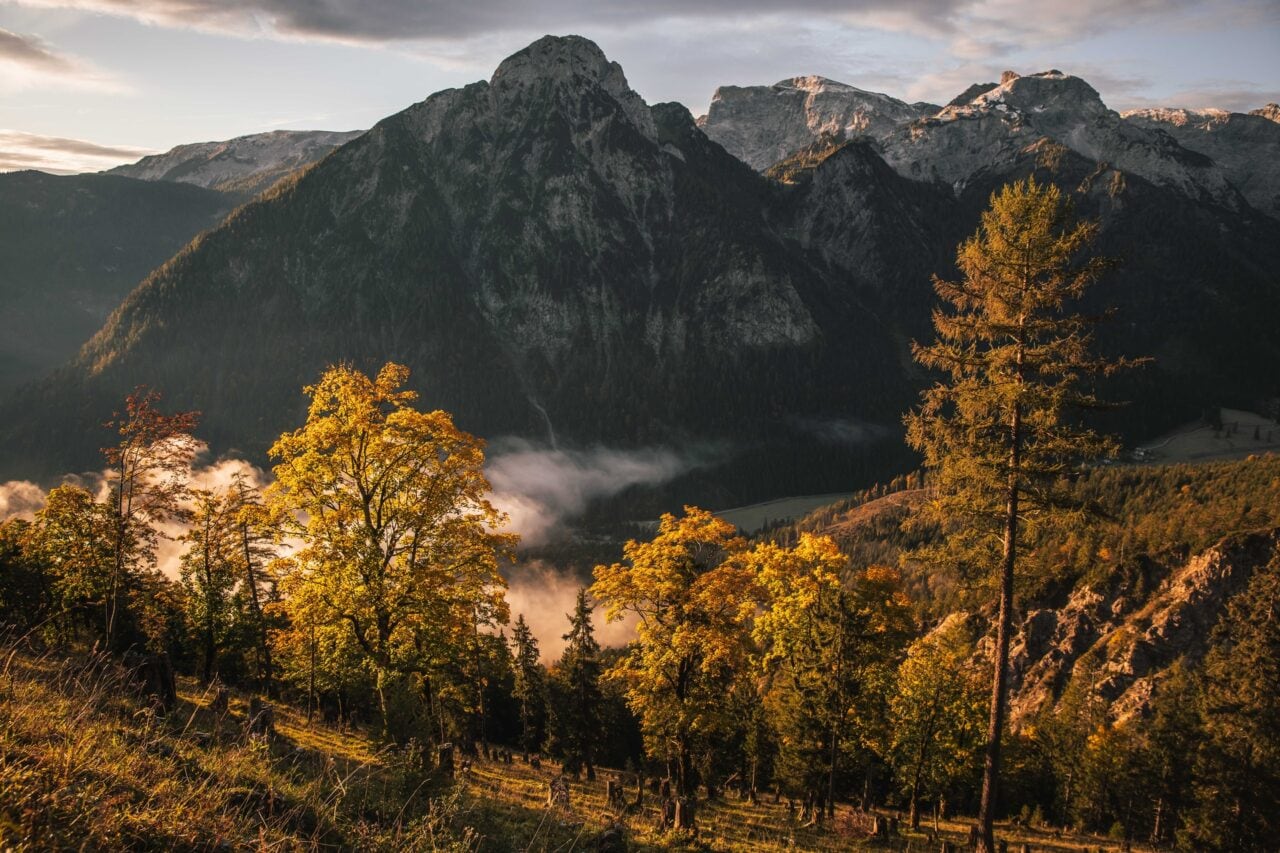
(1049, 90)
(814, 83)
(757, 124)
(568, 61)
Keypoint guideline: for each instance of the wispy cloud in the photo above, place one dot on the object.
(541, 488)
(27, 62)
(60, 155)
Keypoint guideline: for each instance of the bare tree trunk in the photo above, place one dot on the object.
(1000, 679)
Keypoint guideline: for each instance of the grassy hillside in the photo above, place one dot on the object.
(85, 763)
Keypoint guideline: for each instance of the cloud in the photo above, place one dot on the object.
(27, 62)
(60, 155)
(545, 596)
(20, 499)
(401, 20)
(974, 26)
(1234, 95)
(541, 488)
(30, 51)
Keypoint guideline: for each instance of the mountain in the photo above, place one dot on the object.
(552, 257)
(558, 261)
(246, 164)
(761, 125)
(1245, 146)
(72, 247)
(1271, 112)
(987, 132)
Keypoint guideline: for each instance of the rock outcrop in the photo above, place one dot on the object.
(762, 125)
(1130, 641)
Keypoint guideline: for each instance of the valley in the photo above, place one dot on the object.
(353, 484)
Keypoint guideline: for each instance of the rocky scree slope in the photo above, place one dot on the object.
(1127, 642)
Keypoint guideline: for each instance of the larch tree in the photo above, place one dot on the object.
(996, 434)
(693, 606)
(147, 472)
(254, 534)
(399, 541)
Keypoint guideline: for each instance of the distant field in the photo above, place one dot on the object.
(1196, 442)
(756, 516)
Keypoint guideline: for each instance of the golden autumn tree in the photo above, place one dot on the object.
(693, 604)
(399, 538)
(996, 434)
(828, 640)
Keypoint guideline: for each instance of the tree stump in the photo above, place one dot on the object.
(558, 793)
(221, 701)
(613, 793)
(444, 759)
(154, 673)
(612, 840)
(685, 813)
(261, 720)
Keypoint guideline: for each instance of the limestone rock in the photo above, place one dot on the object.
(761, 125)
(1245, 146)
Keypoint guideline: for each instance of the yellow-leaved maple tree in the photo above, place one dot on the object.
(693, 603)
(400, 543)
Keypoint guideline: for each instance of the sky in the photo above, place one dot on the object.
(89, 84)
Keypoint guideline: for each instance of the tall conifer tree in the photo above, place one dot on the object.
(996, 435)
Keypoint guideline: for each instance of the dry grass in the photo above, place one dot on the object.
(726, 824)
(86, 765)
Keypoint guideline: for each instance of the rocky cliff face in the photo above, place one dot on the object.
(1129, 641)
(761, 125)
(1245, 146)
(246, 164)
